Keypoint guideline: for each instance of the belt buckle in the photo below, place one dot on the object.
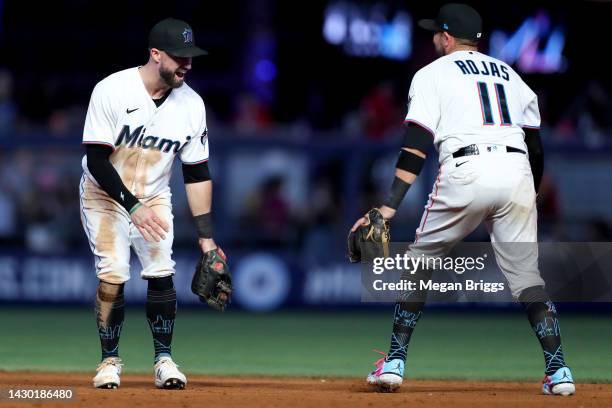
(492, 148)
(472, 150)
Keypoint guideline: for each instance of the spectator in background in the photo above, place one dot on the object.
(589, 117)
(66, 122)
(8, 212)
(322, 242)
(251, 114)
(380, 112)
(8, 109)
(268, 215)
(549, 211)
(8, 218)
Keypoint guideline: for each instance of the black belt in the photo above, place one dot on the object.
(472, 150)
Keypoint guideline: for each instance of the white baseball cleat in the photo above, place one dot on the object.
(108, 374)
(168, 376)
(560, 383)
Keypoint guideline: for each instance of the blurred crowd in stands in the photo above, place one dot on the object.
(52, 110)
(40, 153)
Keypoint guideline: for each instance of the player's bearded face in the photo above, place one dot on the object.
(170, 76)
(173, 70)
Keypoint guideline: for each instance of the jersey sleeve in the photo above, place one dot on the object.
(423, 105)
(531, 111)
(101, 119)
(196, 149)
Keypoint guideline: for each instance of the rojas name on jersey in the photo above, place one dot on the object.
(137, 138)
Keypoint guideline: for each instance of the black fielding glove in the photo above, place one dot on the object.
(376, 233)
(212, 281)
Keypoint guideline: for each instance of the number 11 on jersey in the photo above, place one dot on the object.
(485, 104)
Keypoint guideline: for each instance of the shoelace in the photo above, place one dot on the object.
(169, 362)
(379, 363)
(109, 361)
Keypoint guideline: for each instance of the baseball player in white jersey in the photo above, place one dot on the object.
(138, 120)
(483, 120)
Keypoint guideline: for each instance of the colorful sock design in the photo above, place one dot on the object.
(543, 319)
(405, 318)
(161, 312)
(110, 313)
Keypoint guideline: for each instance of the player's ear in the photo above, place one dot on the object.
(155, 54)
(448, 40)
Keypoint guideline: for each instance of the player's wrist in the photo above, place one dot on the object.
(387, 212)
(207, 244)
(135, 207)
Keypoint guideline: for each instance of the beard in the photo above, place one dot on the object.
(169, 78)
(439, 49)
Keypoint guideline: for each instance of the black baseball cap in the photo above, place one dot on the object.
(459, 20)
(174, 37)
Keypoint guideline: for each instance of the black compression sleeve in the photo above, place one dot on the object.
(399, 188)
(107, 177)
(536, 155)
(195, 173)
(417, 137)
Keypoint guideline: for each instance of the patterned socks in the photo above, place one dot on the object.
(407, 313)
(161, 312)
(543, 319)
(405, 319)
(109, 317)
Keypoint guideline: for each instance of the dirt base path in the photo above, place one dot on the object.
(205, 391)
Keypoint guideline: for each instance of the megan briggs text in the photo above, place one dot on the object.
(469, 285)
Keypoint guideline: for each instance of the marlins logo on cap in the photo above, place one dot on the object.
(188, 35)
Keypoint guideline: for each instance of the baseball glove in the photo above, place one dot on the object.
(374, 233)
(212, 281)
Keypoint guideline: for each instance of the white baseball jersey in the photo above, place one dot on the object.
(467, 97)
(145, 138)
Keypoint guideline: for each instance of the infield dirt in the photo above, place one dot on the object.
(207, 391)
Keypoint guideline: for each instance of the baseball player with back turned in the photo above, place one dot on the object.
(483, 120)
(138, 120)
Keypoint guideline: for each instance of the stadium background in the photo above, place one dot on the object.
(304, 123)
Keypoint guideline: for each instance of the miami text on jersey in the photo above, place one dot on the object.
(137, 137)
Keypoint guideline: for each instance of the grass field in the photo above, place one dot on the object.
(463, 345)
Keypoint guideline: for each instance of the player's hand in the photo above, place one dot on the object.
(149, 224)
(208, 244)
(359, 223)
(387, 213)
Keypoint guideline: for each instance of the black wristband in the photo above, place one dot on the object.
(399, 188)
(204, 225)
